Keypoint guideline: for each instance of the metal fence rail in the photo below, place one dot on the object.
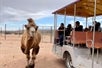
(46, 33)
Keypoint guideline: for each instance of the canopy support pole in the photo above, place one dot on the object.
(55, 27)
(93, 35)
(86, 22)
(74, 22)
(64, 23)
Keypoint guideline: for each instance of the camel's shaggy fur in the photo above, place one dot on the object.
(28, 42)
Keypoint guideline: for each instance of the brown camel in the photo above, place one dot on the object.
(30, 40)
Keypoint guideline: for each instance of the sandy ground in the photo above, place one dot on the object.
(12, 57)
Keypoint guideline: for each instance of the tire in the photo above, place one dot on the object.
(68, 61)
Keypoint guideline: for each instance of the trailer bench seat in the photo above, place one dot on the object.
(97, 41)
(78, 38)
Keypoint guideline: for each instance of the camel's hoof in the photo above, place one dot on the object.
(31, 65)
(27, 66)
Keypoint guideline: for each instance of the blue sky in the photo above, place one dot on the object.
(48, 21)
(14, 13)
(15, 25)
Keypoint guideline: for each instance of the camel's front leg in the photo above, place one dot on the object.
(34, 53)
(32, 63)
(28, 58)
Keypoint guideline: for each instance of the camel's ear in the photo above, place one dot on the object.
(36, 27)
(25, 26)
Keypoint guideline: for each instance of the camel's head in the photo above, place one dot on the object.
(31, 30)
(30, 20)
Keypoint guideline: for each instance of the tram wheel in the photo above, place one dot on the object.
(68, 61)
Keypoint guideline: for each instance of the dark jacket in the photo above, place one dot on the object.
(62, 30)
(79, 28)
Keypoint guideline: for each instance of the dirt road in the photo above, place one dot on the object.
(12, 57)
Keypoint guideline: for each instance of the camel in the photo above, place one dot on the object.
(30, 40)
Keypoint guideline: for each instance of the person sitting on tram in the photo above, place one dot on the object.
(86, 29)
(61, 33)
(68, 30)
(67, 33)
(98, 27)
(78, 27)
(90, 28)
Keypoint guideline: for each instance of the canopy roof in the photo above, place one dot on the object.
(84, 8)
